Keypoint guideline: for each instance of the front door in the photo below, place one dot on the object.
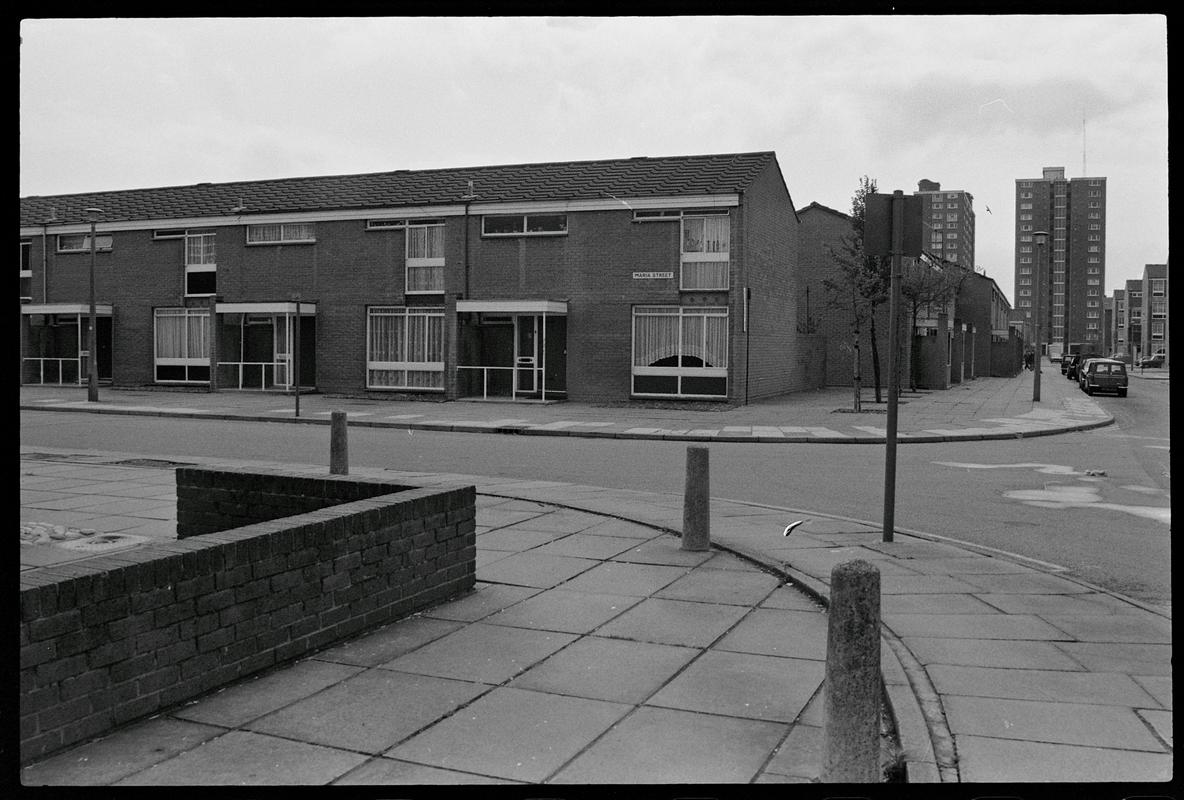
(526, 354)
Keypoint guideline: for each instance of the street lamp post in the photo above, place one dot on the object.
(1041, 237)
(92, 338)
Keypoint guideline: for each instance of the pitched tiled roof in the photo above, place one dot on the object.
(570, 180)
(816, 206)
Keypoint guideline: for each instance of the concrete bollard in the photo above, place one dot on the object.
(338, 445)
(851, 723)
(696, 507)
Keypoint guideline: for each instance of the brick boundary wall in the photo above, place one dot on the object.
(110, 639)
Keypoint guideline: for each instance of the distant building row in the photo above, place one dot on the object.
(665, 278)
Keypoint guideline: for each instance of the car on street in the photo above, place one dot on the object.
(1154, 361)
(1104, 375)
(1074, 363)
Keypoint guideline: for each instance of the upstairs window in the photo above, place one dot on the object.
(80, 242)
(201, 265)
(282, 233)
(524, 225)
(26, 269)
(706, 246)
(425, 257)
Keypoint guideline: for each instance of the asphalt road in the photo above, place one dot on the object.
(1032, 497)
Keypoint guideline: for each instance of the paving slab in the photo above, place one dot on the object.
(1043, 721)
(243, 758)
(1023, 583)
(1008, 654)
(1160, 721)
(392, 772)
(536, 569)
(482, 653)
(972, 626)
(559, 610)
(515, 539)
(1036, 684)
(513, 733)
(1131, 658)
(1056, 604)
(743, 685)
(122, 753)
(1159, 687)
(389, 642)
(483, 601)
(615, 577)
(931, 603)
(617, 670)
(356, 714)
(988, 760)
(776, 632)
(597, 547)
(703, 748)
(714, 586)
(800, 755)
(1116, 628)
(239, 703)
(676, 622)
(664, 550)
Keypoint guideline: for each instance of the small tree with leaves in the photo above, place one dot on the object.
(925, 282)
(861, 284)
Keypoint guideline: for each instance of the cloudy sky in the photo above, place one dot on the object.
(972, 102)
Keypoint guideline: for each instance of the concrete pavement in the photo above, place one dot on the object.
(595, 650)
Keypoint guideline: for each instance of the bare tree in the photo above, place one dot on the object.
(928, 281)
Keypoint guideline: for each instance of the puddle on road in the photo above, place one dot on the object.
(1061, 496)
(1058, 496)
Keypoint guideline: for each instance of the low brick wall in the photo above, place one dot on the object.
(110, 639)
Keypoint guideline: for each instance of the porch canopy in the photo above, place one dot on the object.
(512, 306)
(101, 309)
(281, 307)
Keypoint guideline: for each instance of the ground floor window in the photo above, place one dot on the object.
(404, 348)
(182, 345)
(680, 351)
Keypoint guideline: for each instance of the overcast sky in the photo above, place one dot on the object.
(972, 102)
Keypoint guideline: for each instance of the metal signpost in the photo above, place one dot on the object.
(892, 227)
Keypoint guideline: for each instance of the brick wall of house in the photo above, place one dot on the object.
(777, 361)
(114, 638)
(821, 230)
(349, 268)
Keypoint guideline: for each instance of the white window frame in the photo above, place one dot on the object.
(187, 360)
(679, 372)
(405, 313)
(526, 231)
(703, 257)
(289, 233)
(415, 269)
(103, 242)
(206, 260)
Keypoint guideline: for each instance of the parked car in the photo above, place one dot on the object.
(1081, 369)
(1155, 360)
(1074, 363)
(1104, 375)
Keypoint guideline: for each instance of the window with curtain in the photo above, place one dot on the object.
(680, 351)
(425, 258)
(405, 348)
(706, 242)
(281, 233)
(182, 345)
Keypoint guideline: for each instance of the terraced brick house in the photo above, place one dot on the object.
(668, 278)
